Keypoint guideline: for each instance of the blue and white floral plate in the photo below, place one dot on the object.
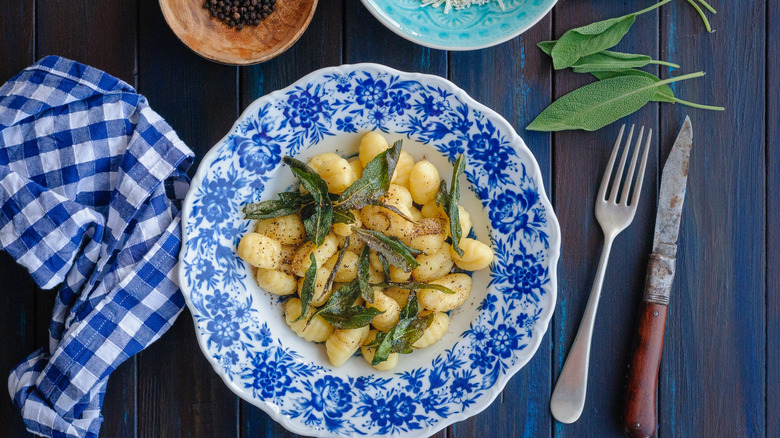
(241, 328)
(471, 28)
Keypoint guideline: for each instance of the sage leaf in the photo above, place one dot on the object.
(411, 308)
(332, 276)
(374, 181)
(318, 216)
(590, 39)
(307, 291)
(607, 60)
(394, 209)
(448, 200)
(411, 285)
(403, 335)
(395, 251)
(341, 216)
(593, 38)
(601, 103)
(366, 291)
(352, 317)
(288, 203)
(340, 300)
(663, 93)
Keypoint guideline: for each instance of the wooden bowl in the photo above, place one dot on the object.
(214, 40)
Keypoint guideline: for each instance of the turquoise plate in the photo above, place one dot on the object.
(475, 27)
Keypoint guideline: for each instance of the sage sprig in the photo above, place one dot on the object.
(593, 38)
(598, 104)
(318, 216)
(374, 181)
(399, 254)
(621, 90)
(607, 60)
(663, 93)
(448, 200)
(307, 290)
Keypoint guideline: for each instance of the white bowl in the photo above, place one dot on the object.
(240, 327)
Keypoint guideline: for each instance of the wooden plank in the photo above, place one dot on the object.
(715, 358)
(179, 394)
(367, 40)
(102, 35)
(17, 293)
(514, 80)
(322, 38)
(580, 159)
(773, 222)
(16, 47)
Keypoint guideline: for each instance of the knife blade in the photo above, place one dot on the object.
(640, 411)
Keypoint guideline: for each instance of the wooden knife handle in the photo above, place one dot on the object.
(640, 415)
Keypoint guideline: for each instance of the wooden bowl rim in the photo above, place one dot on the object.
(257, 60)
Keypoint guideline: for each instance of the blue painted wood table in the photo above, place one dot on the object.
(720, 372)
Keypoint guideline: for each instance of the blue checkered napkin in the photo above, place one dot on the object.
(90, 186)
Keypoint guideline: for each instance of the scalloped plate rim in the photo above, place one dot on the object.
(408, 34)
(555, 246)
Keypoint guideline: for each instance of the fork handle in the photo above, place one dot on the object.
(641, 405)
(568, 397)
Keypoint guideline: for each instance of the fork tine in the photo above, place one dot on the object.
(619, 174)
(608, 171)
(641, 174)
(627, 185)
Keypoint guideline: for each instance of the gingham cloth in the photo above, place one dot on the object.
(90, 186)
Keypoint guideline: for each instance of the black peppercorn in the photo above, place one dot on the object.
(240, 13)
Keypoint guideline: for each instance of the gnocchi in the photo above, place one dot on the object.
(318, 330)
(280, 250)
(260, 251)
(424, 182)
(343, 343)
(432, 299)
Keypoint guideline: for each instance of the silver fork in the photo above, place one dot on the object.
(568, 398)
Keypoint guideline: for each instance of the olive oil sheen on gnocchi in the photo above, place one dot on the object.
(372, 248)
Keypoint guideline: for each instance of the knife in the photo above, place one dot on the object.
(640, 411)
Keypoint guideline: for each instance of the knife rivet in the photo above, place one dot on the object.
(655, 313)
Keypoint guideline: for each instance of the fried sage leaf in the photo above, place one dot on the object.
(411, 285)
(352, 317)
(341, 216)
(340, 312)
(340, 300)
(395, 251)
(288, 203)
(366, 291)
(332, 276)
(307, 291)
(318, 216)
(403, 335)
(374, 182)
(448, 200)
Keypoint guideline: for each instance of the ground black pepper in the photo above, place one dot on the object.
(240, 13)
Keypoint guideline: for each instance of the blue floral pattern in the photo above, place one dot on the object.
(230, 323)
